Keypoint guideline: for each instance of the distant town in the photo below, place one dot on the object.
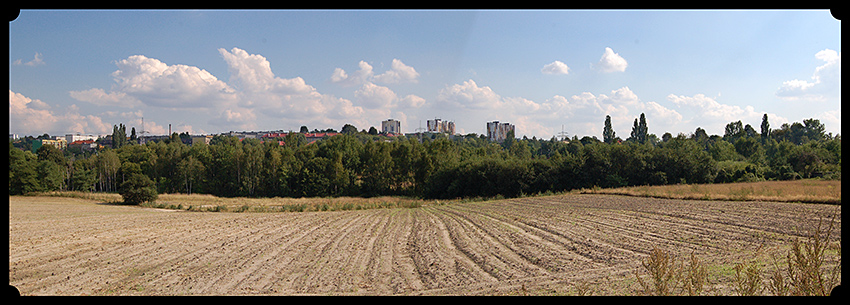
(496, 131)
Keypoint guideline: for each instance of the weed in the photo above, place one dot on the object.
(695, 276)
(805, 264)
(583, 288)
(748, 278)
(662, 271)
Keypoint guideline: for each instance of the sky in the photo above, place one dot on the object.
(545, 71)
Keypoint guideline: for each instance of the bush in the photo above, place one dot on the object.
(138, 189)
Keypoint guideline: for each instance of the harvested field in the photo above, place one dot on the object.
(538, 245)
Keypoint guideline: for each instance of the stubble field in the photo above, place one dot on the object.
(552, 245)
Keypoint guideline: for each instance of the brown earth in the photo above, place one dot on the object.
(540, 245)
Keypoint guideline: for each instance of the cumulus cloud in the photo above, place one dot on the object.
(100, 97)
(581, 114)
(258, 88)
(33, 117)
(373, 96)
(231, 119)
(825, 81)
(412, 101)
(253, 73)
(148, 81)
(555, 67)
(611, 62)
(399, 73)
(469, 95)
(713, 115)
(37, 61)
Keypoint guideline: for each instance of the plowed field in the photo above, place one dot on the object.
(538, 245)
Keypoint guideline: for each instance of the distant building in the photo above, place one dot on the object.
(498, 132)
(202, 139)
(71, 138)
(86, 145)
(58, 143)
(391, 126)
(440, 126)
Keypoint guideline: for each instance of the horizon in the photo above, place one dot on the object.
(216, 71)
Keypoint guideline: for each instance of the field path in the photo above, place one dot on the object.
(538, 245)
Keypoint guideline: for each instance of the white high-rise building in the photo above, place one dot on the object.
(438, 126)
(70, 138)
(391, 126)
(498, 132)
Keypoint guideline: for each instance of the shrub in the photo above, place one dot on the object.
(138, 189)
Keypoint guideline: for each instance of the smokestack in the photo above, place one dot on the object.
(169, 129)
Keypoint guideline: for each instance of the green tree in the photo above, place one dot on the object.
(733, 131)
(190, 171)
(640, 131)
(138, 189)
(84, 176)
(119, 136)
(814, 130)
(23, 177)
(765, 127)
(608, 134)
(348, 129)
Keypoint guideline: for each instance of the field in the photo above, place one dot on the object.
(564, 244)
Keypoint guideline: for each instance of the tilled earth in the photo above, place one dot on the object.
(556, 245)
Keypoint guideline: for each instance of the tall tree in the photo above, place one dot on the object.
(608, 134)
(765, 127)
(640, 130)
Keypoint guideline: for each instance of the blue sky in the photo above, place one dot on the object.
(211, 71)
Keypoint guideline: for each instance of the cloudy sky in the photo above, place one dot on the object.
(210, 71)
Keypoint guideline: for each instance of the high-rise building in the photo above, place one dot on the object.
(498, 132)
(438, 126)
(434, 125)
(391, 126)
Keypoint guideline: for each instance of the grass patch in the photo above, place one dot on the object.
(209, 203)
(807, 191)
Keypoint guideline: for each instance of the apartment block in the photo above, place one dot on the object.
(391, 126)
(497, 131)
(440, 126)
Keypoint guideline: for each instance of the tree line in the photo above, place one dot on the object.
(364, 164)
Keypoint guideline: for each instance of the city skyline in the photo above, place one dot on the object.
(212, 71)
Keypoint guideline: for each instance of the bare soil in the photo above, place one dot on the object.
(539, 245)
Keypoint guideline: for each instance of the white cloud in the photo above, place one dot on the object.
(373, 96)
(37, 61)
(611, 62)
(412, 101)
(258, 88)
(469, 95)
(555, 67)
(252, 73)
(582, 114)
(243, 119)
(99, 97)
(359, 77)
(399, 73)
(826, 81)
(148, 81)
(713, 116)
(34, 117)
